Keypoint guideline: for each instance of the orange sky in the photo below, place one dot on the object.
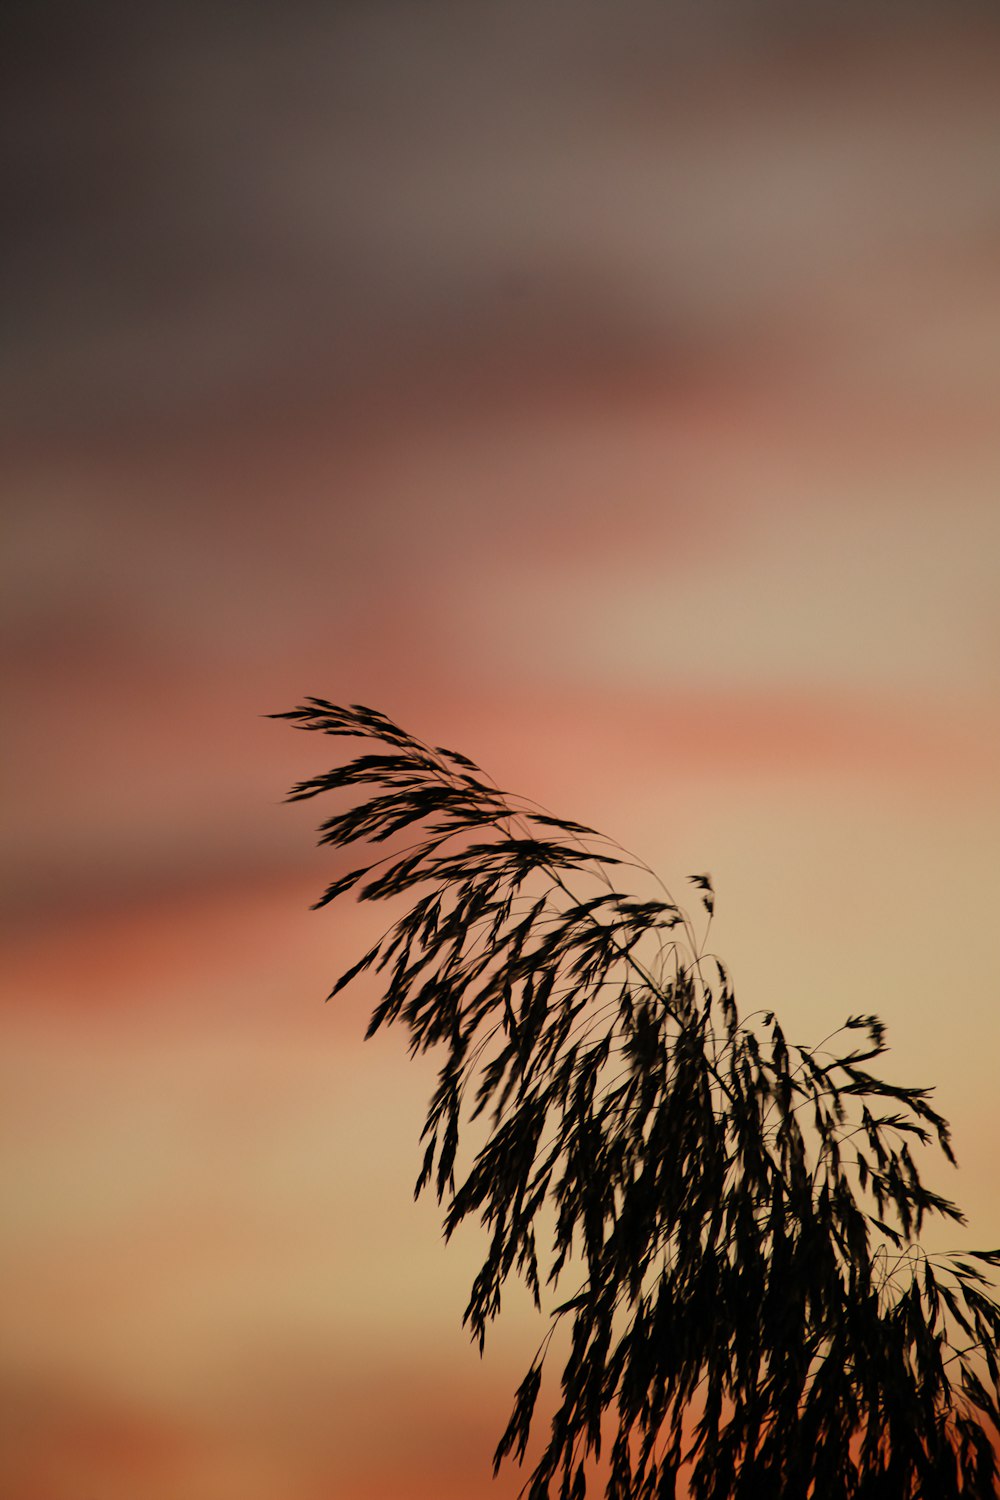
(610, 393)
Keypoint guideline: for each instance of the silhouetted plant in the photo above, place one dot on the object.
(755, 1316)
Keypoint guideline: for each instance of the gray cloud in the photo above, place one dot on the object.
(208, 198)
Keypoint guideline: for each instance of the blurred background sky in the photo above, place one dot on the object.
(609, 391)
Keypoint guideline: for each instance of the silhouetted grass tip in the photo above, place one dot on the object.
(750, 1310)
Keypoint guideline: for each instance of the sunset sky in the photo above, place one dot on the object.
(611, 392)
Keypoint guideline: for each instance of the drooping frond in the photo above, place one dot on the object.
(751, 1312)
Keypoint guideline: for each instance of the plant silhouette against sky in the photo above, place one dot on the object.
(726, 1223)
